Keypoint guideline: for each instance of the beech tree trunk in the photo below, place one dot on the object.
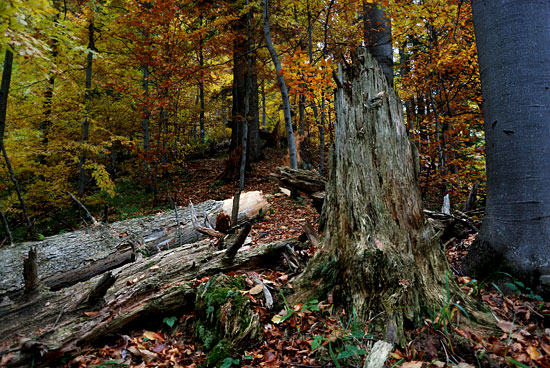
(515, 76)
(378, 39)
(378, 254)
(4, 92)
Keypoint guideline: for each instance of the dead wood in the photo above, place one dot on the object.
(30, 272)
(303, 180)
(311, 234)
(146, 290)
(66, 259)
(472, 198)
(210, 232)
(64, 279)
(451, 226)
(95, 296)
(88, 214)
(234, 245)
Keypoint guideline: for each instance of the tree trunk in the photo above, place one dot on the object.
(378, 39)
(282, 87)
(201, 86)
(9, 237)
(72, 257)
(241, 55)
(4, 92)
(87, 103)
(143, 292)
(512, 39)
(378, 254)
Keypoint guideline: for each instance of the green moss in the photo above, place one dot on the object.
(222, 334)
(222, 350)
(152, 263)
(208, 336)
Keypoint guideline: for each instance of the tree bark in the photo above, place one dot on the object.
(143, 292)
(4, 92)
(513, 59)
(378, 38)
(378, 254)
(87, 103)
(72, 257)
(241, 54)
(282, 87)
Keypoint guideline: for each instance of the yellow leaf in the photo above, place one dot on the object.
(276, 319)
(533, 352)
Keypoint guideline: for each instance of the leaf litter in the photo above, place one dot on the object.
(317, 334)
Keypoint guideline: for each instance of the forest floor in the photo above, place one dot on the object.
(319, 335)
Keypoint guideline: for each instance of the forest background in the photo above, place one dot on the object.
(110, 99)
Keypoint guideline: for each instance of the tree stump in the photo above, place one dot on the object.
(378, 254)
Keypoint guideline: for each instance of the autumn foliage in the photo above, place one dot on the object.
(151, 62)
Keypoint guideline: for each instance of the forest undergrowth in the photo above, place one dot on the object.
(316, 333)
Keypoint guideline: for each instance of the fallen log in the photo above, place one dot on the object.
(66, 259)
(457, 225)
(144, 291)
(306, 181)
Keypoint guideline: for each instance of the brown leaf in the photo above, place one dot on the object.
(145, 354)
(505, 326)
(153, 336)
(413, 364)
(256, 289)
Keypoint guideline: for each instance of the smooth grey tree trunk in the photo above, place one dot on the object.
(378, 39)
(9, 237)
(320, 123)
(514, 59)
(264, 110)
(282, 87)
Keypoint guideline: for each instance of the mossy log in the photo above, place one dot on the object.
(144, 292)
(378, 255)
(66, 259)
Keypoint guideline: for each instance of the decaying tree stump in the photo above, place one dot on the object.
(378, 255)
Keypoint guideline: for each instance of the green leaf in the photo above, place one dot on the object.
(228, 362)
(516, 363)
(345, 354)
(317, 340)
(170, 321)
(512, 287)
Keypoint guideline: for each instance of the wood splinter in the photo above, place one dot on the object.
(95, 296)
(233, 247)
